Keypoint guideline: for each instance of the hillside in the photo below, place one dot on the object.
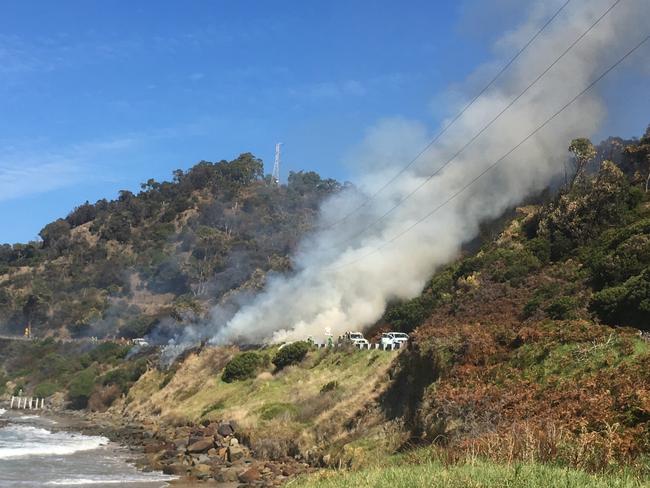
(169, 253)
(528, 361)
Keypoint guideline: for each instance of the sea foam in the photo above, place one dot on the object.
(21, 441)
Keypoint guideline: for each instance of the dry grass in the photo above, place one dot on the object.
(283, 411)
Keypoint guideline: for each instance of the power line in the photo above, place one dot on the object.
(483, 129)
(495, 163)
(456, 117)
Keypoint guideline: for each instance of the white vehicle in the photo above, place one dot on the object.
(140, 342)
(361, 343)
(390, 339)
(351, 337)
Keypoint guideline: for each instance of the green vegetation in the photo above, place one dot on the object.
(476, 474)
(275, 410)
(46, 389)
(81, 387)
(80, 370)
(560, 309)
(290, 354)
(279, 411)
(329, 386)
(120, 267)
(517, 374)
(242, 367)
(125, 375)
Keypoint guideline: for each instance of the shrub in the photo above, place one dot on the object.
(291, 354)
(540, 248)
(531, 306)
(103, 397)
(561, 308)
(329, 386)
(407, 315)
(275, 410)
(109, 352)
(626, 304)
(242, 367)
(137, 327)
(125, 375)
(81, 387)
(512, 265)
(45, 390)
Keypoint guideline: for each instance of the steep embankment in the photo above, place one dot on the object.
(307, 409)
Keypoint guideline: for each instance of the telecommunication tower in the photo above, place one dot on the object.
(276, 165)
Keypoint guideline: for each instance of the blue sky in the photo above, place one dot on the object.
(98, 96)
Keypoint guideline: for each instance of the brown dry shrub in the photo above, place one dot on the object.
(487, 405)
(103, 397)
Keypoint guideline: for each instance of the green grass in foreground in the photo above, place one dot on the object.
(469, 475)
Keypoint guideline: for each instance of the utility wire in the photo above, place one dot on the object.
(495, 163)
(452, 122)
(361, 231)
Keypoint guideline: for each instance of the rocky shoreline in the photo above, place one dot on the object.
(211, 454)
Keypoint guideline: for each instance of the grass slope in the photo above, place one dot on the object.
(305, 405)
(476, 474)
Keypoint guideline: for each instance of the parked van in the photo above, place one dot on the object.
(391, 339)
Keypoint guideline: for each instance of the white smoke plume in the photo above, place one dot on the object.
(346, 285)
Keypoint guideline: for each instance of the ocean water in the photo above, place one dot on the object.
(33, 453)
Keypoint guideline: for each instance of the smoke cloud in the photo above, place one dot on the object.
(341, 282)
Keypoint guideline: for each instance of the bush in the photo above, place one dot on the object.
(242, 367)
(531, 307)
(291, 354)
(407, 315)
(329, 386)
(45, 390)
(274, 410)
(561, 308)
(103, 397)
(124, 376)
(512, 265)
(81, 387)
(626, 304)
(109, 352)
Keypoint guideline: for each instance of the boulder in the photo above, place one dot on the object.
(250, 476)
(152, 447)
(174, 469)
(203, 459)
(288, 470)
(180, 443)
(202, 445)
(202, 469)
(235, 453)
(226, 475)
(273, 468)
(225, 430)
